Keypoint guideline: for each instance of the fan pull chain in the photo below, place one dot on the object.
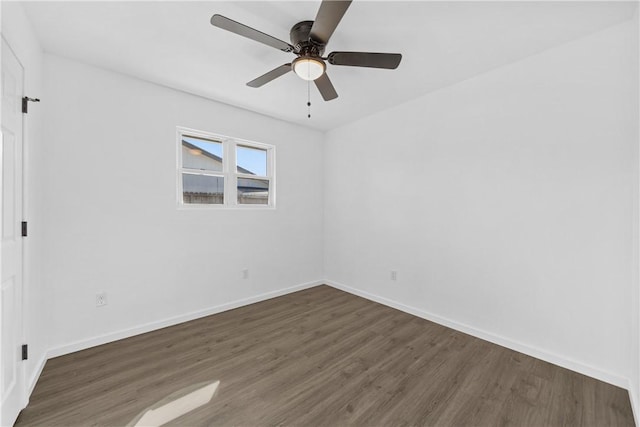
(309, 99)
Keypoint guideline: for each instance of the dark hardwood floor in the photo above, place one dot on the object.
(320, 357)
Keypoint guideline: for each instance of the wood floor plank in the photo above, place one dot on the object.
(320, 357)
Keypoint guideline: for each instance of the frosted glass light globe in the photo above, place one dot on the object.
(308, 68)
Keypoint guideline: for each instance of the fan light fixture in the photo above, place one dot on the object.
(308, 68)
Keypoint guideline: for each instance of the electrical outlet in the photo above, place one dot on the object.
(101, 299)
(245, 273)
(394, 275)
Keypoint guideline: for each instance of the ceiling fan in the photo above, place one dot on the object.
(308, 41)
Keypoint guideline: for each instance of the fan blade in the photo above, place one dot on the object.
(366, 59)
(250, 33)
(325, 87)
(327, 19)
(271, 75)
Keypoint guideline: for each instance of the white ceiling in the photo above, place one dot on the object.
(173, 44)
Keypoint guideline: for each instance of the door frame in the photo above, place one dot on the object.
(21, 332)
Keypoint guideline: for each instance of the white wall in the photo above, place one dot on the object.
(112, 222)
(504, 202)
(634, 383)
(17, 31)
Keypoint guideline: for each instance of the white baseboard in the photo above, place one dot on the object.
(633, 397)
(555, 359)
(152, 326)
(31, 383)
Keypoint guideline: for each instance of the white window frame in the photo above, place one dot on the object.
(229, 170)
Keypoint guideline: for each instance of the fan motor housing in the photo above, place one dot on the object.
(300, 39)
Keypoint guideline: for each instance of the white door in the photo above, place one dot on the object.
(12, 398)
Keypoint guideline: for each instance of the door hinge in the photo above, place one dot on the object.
(25, 351)
(25, 103)
(24, 228)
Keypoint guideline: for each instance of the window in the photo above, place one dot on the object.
(251, 164)
(215, 170)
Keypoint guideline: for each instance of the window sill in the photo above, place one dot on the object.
(195, 207)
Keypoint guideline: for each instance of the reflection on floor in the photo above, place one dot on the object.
(176, 405)
(320, 357)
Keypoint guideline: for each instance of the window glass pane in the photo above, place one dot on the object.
(253, 191)
(251, 160)
(201, 154)
(202, 189)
